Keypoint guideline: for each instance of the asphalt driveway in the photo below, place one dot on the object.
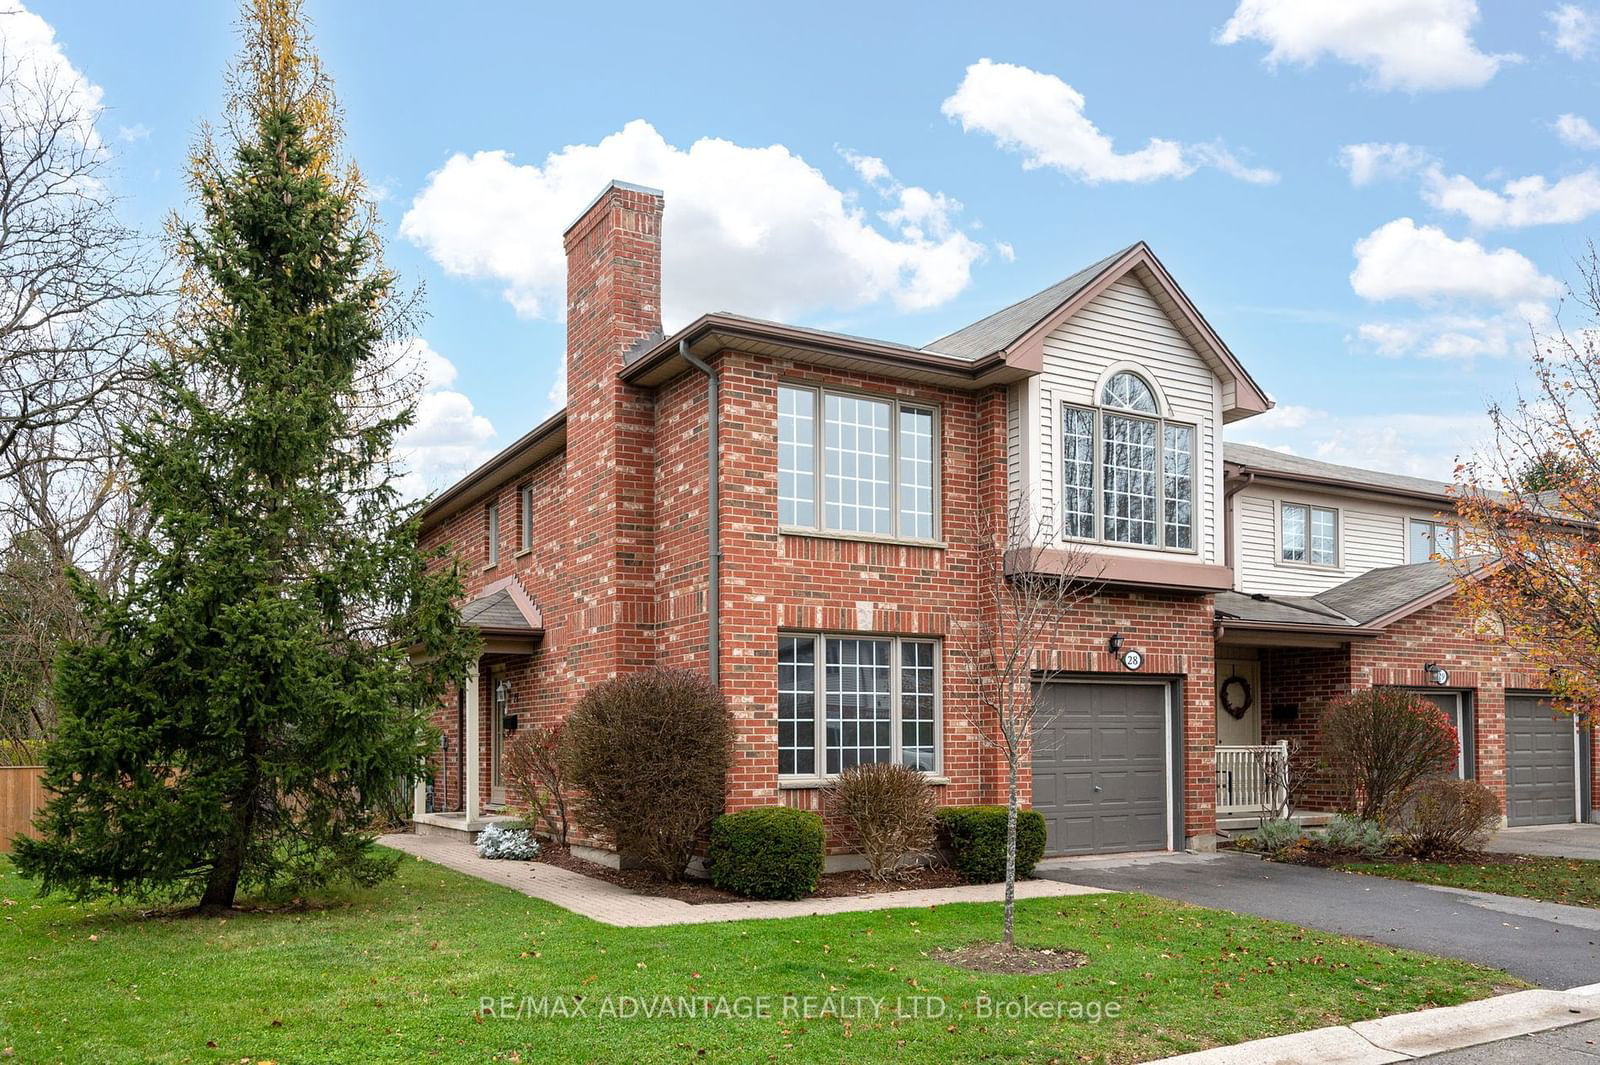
(1544, 943)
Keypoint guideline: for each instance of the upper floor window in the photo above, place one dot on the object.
(1429, 538)
(491, 518)
(1127, 473)
(1308, 534)
(525, 518)
(873, 471)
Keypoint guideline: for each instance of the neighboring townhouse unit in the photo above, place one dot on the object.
(813, 545)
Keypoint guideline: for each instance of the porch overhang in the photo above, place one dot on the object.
(506, 617)
(1092, 567)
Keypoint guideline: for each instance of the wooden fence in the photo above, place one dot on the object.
(21, 796)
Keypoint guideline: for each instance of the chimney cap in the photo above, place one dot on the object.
(612, 184)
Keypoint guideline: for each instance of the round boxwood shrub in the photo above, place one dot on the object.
(771, 852)
(976, 839)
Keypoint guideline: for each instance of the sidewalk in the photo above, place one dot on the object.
(1409, 1036)
(608, 903)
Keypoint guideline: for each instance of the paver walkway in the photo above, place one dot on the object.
(601, 900)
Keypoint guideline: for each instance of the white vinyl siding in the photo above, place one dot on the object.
(1124, 327)
(1371, 534)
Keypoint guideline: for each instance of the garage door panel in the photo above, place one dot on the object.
(1541, 784)
(1099, 768)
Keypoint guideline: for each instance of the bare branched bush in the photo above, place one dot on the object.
(532, 765)
(891, 810)
(1447, 818)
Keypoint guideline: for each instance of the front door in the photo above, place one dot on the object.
(1238, 703)
(498, 697)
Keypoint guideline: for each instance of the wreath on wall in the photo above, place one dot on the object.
(1236, 696)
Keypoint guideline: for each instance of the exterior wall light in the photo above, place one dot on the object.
(1437, 673)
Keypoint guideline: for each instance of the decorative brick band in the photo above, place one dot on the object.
(1061, 661)
(862, 617)
(1416, 678)
(861, 552)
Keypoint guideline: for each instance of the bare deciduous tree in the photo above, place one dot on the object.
(1531, 503)
(1030, 589)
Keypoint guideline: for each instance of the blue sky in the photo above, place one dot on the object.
(1370, 201)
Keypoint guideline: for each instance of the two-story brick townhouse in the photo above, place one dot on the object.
(796, 512)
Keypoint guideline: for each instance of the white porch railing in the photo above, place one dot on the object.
(1251, 780)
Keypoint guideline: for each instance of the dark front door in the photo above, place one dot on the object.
(1100, 768)
(1541, 763)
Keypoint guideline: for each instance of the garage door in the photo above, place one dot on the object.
(1100, 768)
(1541, 778)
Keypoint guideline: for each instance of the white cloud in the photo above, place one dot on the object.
(1525, 201)
(1042, 117)
(756, 230)
(1575, 131)
(1463, 336)
(34, 59)
(1414, 443)
(1005, 251)
(1371, 162)
(134, 133)
(1402, 260)
(1403, 44)
(448, 437)
(1573, 29)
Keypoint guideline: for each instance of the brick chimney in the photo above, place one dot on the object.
(613, 302)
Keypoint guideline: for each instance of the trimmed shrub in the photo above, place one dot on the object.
(1380, 743)
(1448, 818)
(1351, 835)
(772, 852)
(507, 841)
(976, 838)
(650, 752)
(891, 809)
(1277, 834)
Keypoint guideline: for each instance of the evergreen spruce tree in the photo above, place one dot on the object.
(241, 715)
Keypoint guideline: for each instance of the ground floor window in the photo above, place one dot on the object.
(848, 700)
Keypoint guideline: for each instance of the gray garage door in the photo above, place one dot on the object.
(1541, 781)
(1100, 768)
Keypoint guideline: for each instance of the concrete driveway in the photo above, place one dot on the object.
(1546, 944)
(1557, 841)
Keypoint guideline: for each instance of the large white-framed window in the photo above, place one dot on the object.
(855, 463)
(1308, 534)
(1428, 538)
(847, 700)
(1127, 472)
(491, 521)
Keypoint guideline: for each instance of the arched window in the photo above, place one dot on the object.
(1127, 391)
(1127, 473)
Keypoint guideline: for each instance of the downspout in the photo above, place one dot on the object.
(1238, 485)
(714, 515)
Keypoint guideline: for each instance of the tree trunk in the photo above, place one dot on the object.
(223, 883)
(1011, 856)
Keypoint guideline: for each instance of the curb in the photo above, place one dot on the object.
(1408, 1036)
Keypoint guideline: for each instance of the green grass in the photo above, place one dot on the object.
(1568, 880)
(395, 974)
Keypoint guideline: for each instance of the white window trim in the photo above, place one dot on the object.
(491, 521)
(1097, 414)
(1434, 524)
(820, 706)
(819, 472)
(1306, 563)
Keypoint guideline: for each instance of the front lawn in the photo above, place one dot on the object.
(397, 974)
(1567, 880)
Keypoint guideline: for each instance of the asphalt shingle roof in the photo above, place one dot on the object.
(1269, 461)
(498, 611)
(991, 334)
(1356, 603)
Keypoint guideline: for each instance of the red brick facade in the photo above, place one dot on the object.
(619, 569)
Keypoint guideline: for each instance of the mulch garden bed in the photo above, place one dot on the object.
(700, 892)
(988, 957)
